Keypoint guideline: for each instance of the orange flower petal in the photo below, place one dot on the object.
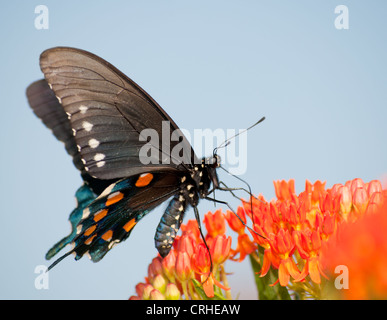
(283, 275)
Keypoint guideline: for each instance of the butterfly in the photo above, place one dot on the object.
(100, 115)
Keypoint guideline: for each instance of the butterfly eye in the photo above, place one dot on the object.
(218, 160)
(213, 161)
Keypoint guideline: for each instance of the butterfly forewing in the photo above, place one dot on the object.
(46, 106)
(108, 113)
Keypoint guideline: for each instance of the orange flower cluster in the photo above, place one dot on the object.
(357, 257)
(293, 229)
(171, 278)
(303, 236)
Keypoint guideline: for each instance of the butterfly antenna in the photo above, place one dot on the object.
(226, 142)
(222, 145)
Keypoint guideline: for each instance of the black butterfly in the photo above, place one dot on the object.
(100, 114)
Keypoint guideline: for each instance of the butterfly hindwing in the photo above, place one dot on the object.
(84, 197)
(110, 218)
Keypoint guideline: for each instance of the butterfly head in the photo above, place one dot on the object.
(205, 175)
(213, 161)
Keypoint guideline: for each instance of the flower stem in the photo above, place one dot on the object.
(185, 292)
(223, 278)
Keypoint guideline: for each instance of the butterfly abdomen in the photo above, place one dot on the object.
(170, 224)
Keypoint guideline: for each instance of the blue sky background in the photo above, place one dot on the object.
(210, 64)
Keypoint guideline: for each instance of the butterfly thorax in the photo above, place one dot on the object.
(198, 183)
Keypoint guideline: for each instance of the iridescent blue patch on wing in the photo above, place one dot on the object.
(84, 197)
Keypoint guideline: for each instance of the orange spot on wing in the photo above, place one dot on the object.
(144, 179)
(90, 230)
(108, 235)
(129, 225)
(89, 240)
(114, 197)
(100, 215)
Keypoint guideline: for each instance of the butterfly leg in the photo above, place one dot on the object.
(231, 190)
(234, 212)
(226, 188)
(197, 217)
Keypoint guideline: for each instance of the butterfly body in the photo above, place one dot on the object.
(101, 116)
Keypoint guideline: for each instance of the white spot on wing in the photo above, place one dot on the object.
(99, 157)
(87, 126)
(83, 109)
(85, 213)
(100, 164)
(93, 143)
(107, 190)
(113, 243)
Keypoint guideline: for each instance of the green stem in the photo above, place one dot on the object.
(185, 292)
(225, 282)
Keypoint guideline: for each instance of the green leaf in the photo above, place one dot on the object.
(265, 291)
